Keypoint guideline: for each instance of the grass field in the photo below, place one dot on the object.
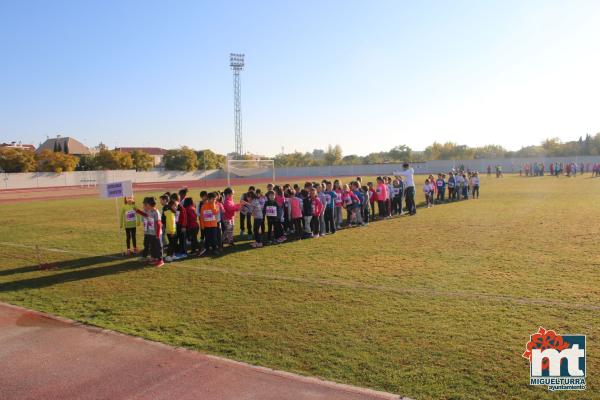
(436, 306)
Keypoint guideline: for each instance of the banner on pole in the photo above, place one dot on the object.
(116, 189)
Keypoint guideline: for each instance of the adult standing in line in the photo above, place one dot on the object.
(409, 187)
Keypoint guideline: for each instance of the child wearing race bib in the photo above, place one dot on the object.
(441, 188)
(152, 232)
(273, 212)
(366, 207)
(428, 192)
(349, 200)
(129, 221)
(209, 222)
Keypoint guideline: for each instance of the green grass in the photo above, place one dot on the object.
(437, 306)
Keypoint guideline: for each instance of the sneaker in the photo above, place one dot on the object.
(202, 251)
(258, 245)
(135, 251)
(253, 244)
(249, 237)
(158, 263)
(169, 259)
(241, 232)
(181, 255)
(281, 239)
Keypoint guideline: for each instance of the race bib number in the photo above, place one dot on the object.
(176, 215)
(327, 199)
(338, 198)
(271, 211)
(348, 200)
(130, 216)
(148, 224)
(440, 183)
(208, 215)
(396, 191)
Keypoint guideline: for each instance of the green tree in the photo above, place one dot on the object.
(142, 161)
(183, 159)
(207, 159)
(111, 159)
(333, 155)
(400, 153)
(49, 161)
(17, 160)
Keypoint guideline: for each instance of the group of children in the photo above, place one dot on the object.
(458, 184)
(182, 228)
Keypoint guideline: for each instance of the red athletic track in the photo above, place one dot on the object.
(45, 357)
(69, 192)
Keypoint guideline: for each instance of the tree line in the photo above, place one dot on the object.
(187, 159)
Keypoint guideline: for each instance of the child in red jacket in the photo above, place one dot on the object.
(192, 226)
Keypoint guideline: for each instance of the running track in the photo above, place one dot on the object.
(46, 357)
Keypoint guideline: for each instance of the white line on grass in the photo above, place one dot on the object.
(347, 284)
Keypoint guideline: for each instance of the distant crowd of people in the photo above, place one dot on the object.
(558, 169)
(182, 228)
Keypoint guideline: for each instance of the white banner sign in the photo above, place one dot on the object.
(116, 189)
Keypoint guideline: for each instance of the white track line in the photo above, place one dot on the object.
(348, 284)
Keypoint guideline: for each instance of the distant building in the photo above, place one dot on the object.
(18, 145)
(66, 145)
(156, 152)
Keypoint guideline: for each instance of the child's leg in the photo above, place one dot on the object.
(172, 242)
(128, 238)
(278, 228)
(257, 225)
(242, 222)
(358, 212)
(249, 222)
(314, 224)
(298, 227)
(146, 251)
(269, 229)
(322, 228)
(307, 220)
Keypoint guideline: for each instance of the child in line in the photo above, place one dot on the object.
(330, 197)
(229, 215)
(130, 221)
(152, 232)
(294, 204)
(192, 226)
(475, 185)
(428, 191)
(338, 204)
(272, 211)
(323, 200)
(170, 223)
(257, 215)
(164, 202)
(366, 212)
(181, 226)
(317, 211)
(209, 221)
(441, 188)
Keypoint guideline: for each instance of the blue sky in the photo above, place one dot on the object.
(367, 75)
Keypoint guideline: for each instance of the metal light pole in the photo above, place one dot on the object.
(236, 62)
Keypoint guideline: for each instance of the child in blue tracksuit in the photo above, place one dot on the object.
(441, 188)
(329, 205)
(359, 205)
(451, 187)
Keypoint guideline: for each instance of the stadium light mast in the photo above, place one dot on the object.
(236, 62)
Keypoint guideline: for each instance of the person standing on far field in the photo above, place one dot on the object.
(409, 187)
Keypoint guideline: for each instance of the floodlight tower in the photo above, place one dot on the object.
(236, 62)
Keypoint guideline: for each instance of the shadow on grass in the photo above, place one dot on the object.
(67, 264)
(72, 276)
